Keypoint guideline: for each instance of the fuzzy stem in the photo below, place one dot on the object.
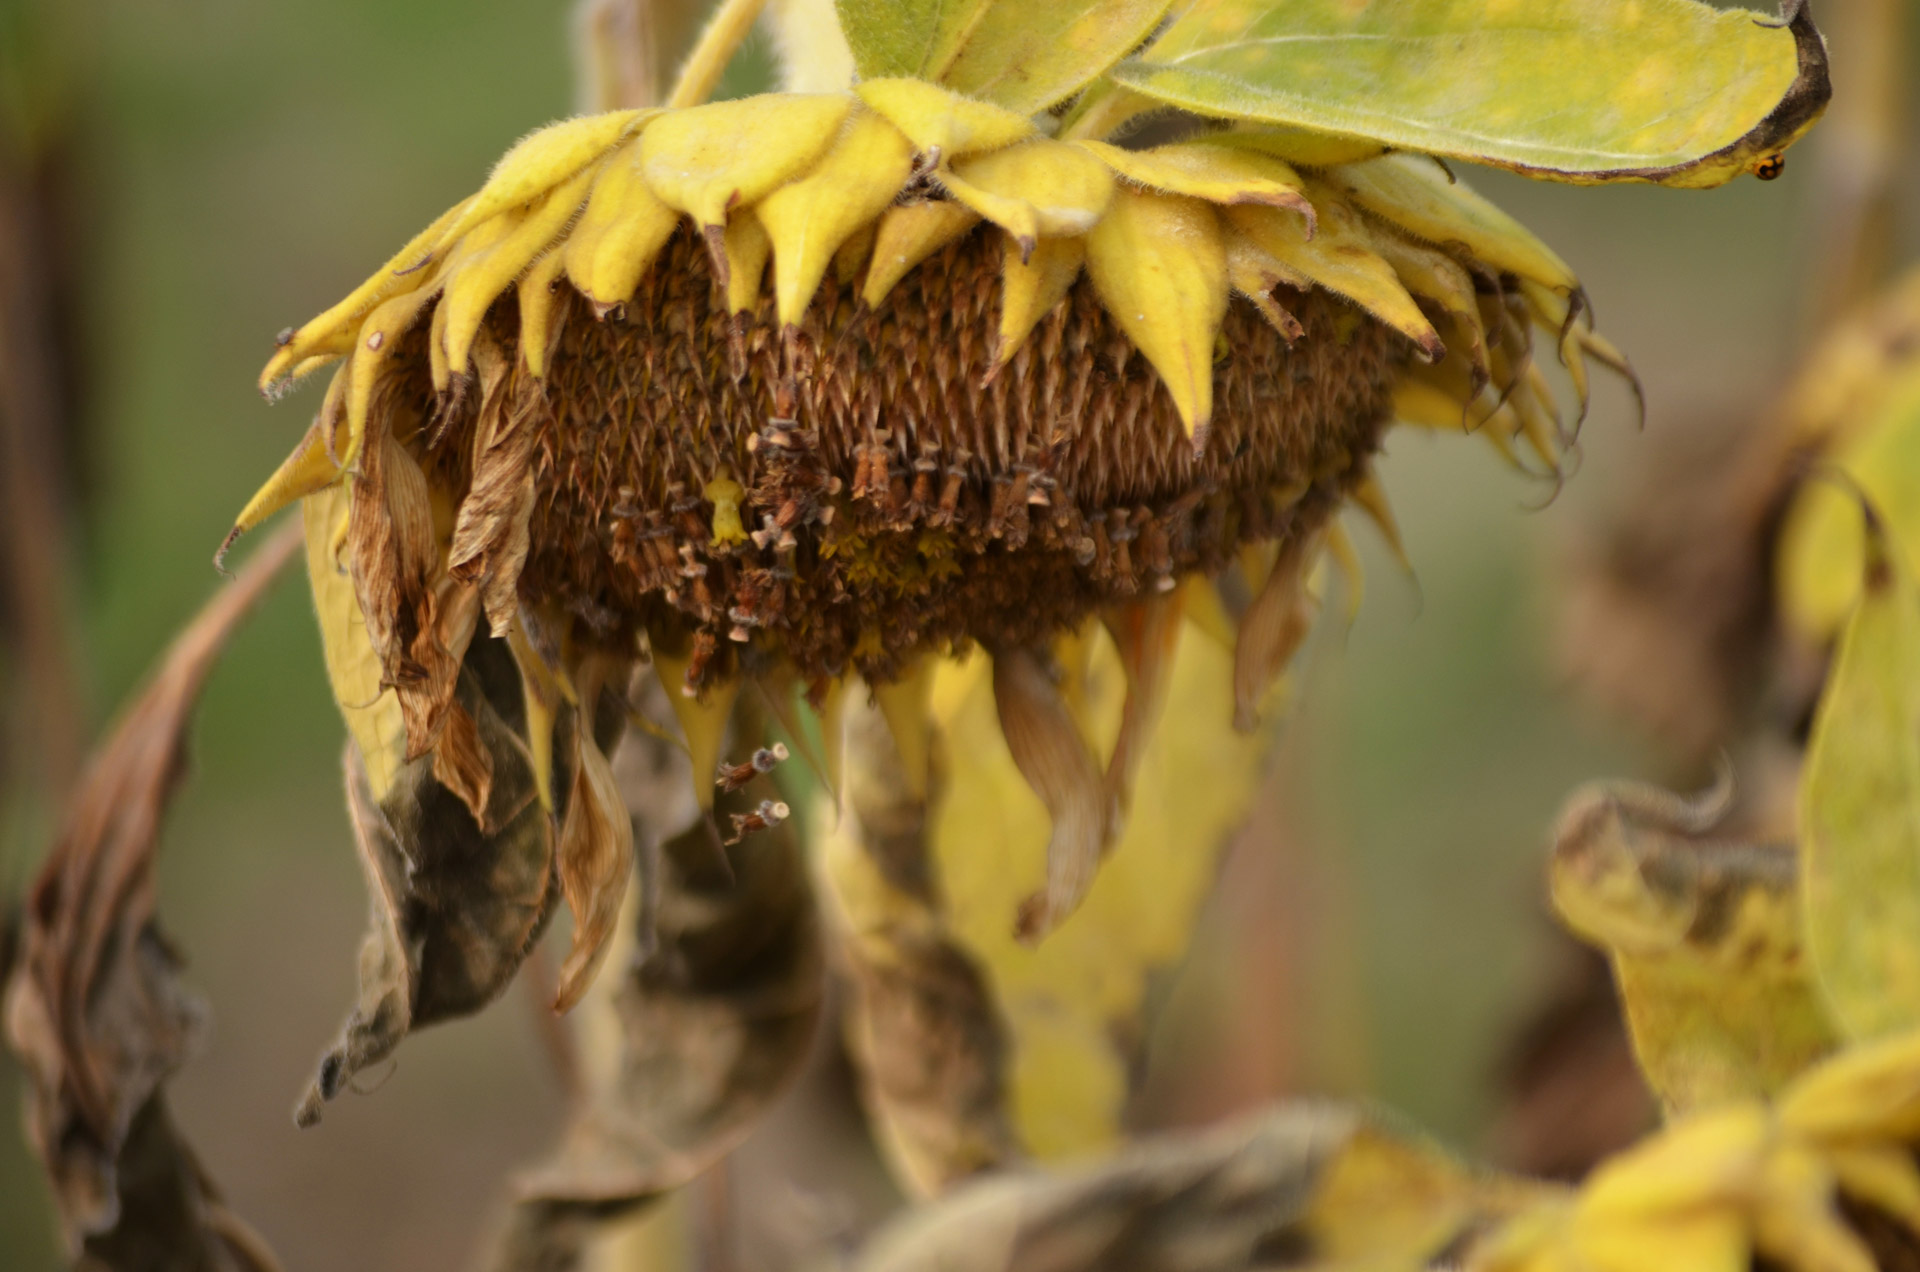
(724, 34)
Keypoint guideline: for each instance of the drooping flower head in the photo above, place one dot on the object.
(1014, 332)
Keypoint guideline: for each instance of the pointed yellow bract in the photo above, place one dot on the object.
(473, 289)
(623, 228)
(746, 247)
(302, 473)
(904, 706)
(909, 234)
(1037, 187)
(1160, 266)
(1415, 192)
(541, 161)
(809, 220)
(1032, 284)
(1218, 174)
(703, 720)
(536, 296)
(941, 123)
(379, 343)
(1339, 258)
(711, 159)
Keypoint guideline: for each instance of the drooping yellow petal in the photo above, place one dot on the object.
(379, 340)
(904, 704)
(542, 160)
(908, 235)
(478, 282)
(1414, 192)
(334, 330)
(711, 159)
(623, 228)
(1036, 188)
(1339, 258)
(810, 219)
(941, 123)
(703, 720)
(746, 247)
(1160, 266)
(354, 670)
(1032, 285)
(1218, 174)
(540, 690)
(1432, 275)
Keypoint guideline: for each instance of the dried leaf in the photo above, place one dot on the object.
(1044, 740)
(715, 1016)
(1297, 1186)
(1704, 936)
(1860, 807)
(1670, 91)
(93, 1007)
(454, 908)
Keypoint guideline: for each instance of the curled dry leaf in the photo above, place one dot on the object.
(1299, 1186)
(94, 1009)
(455, 908)
(715, 1015)
(1045, 742)
(1704, 934)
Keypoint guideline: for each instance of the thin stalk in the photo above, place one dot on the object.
(722, 38)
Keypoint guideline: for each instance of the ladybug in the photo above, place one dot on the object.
(1770, 167)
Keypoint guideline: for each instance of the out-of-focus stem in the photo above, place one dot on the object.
(721, 39)
(1860, 145)
(617, 50)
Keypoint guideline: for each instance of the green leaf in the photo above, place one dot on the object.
(1669, 91)
(1023, 55)
(1860, 808)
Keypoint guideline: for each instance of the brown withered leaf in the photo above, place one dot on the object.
(595, 863)
(715, 1015)
(94, 1009)
(454, 908)
(490, 538)
(921, 1021)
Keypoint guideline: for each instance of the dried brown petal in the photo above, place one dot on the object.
(1146, 633)
(1272, 628)
(93, 1006)
(490, 535)
(1047, 747)
(596, 863)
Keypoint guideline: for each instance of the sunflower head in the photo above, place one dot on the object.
(1012, 333)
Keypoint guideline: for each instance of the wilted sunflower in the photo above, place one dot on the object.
(1052, 333)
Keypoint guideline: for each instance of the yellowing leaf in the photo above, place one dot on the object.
(1671, 91)
(1860, 808)
(1022, 55)
(1704, 939)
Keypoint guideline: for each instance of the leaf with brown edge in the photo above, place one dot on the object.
(93, 1006)
(1704, 936)
(1046, 745)
(1669, 91)
(454, 909)
(713, 1018)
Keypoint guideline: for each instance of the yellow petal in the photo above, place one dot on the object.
(703, 720)
(473, 288)
(540, 689)
(1430, 274)
(623, 228)
(1037, 187)
(1341, 259)
(337, 325)
(379, 340)
(354, 670)
(1218, 174)
(1412, 191)
(1160, 266)
(1032, 284)
(810, 219)
(941, 123)
(908, 235)
(536, 311)
(302, 473)
(541, 161)
(711, 159)
(904, 705)
(1869, 1091)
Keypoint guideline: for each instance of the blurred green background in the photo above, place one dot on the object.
(241, 163)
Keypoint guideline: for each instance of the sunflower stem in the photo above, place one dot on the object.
(721, 39)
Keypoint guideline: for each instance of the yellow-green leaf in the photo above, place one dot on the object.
(1860, 808)
(1670, 91)
(1016, 53)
